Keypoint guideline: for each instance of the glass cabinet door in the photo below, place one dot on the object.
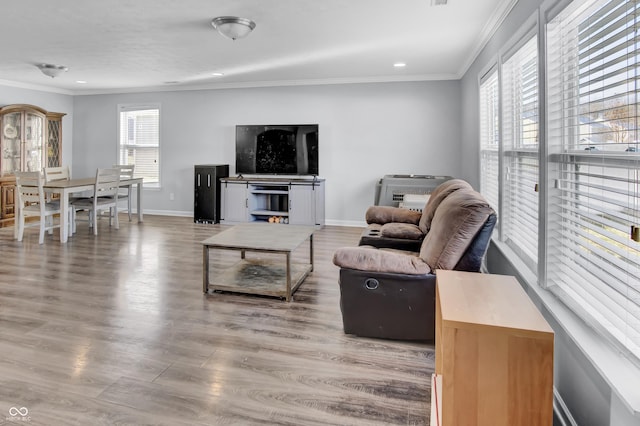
(33, 142)
(10, 140)
(54, 140)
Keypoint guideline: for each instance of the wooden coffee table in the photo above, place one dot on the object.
(265, 277)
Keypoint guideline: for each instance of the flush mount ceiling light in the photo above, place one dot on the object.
(51, 70)
(233, 27)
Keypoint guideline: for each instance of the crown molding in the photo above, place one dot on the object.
(276, 83)
(38, 87)
(488, 31)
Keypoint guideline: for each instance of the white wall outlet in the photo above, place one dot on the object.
(172, 196)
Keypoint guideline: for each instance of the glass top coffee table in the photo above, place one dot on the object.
(267, 277)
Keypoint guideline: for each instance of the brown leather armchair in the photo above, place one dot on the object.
(391, 294)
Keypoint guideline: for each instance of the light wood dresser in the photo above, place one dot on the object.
(494, 354)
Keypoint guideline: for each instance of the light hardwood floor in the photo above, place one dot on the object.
(114, 329)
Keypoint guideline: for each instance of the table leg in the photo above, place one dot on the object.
(288, 276)
(205, 269)
(311, 251)
(139, 186)
(64, 216)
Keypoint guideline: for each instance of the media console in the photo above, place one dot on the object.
(278, 200)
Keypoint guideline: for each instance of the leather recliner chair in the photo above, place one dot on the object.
(390, 293)
(402, 229)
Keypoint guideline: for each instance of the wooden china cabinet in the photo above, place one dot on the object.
(30, 139)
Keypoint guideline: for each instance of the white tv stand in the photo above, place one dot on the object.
(293, 200)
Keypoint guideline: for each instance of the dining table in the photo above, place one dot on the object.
(67, 187)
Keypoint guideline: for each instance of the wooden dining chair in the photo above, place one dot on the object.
(52, 174)
(105, 196)
(32, 203)
(126, 172)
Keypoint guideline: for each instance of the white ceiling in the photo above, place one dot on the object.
(131, 45)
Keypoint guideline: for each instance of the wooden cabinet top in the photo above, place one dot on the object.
(475, 301)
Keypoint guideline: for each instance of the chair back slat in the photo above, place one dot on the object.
(126, 170)
(56, 173)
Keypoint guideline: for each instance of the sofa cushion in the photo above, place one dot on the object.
(388, 214)
(365, 258)
(441, 192)
(407, 231)
(455, 223)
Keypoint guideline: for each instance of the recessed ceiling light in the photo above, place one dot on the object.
(438, 2)
(217, 74)
(81, 82)
(399, 64)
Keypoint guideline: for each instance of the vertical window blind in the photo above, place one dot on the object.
(519, 87)
(490, 138)
(593, 264)
(139, 141)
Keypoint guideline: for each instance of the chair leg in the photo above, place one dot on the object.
(49, 224)
(94, 215)
(43, 226)
(20, 233)
(115, 216)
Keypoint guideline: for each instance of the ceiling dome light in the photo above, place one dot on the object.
(399, 65)
(233, 27)
(51, 70)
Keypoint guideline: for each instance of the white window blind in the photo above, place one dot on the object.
(520, 152)
(592, 263)
(139, 142)
(490, 138)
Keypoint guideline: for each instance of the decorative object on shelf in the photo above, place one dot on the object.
(10, 132)
(278, 219)
(51, 70)
(233, 27)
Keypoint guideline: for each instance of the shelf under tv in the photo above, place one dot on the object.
(269, 213)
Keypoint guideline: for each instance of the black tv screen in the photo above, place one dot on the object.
(289, 149)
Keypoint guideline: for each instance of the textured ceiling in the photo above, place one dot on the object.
(129, 45)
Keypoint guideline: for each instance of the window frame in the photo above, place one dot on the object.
(527, 32)
(563, 161)
(129, 107)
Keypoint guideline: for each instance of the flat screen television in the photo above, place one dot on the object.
(288, 149)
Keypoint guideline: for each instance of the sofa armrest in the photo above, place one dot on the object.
(365, 258)
(388, 214)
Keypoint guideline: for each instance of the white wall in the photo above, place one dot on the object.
(51, 102)
(366, 131)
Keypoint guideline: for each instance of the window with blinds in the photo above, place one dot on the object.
(139, 141)
(490, 138)
(593, 264)
(519, 87)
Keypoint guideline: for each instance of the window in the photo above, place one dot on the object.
(139, 141)
(520, 138)
(593, 265)
(490, 138)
